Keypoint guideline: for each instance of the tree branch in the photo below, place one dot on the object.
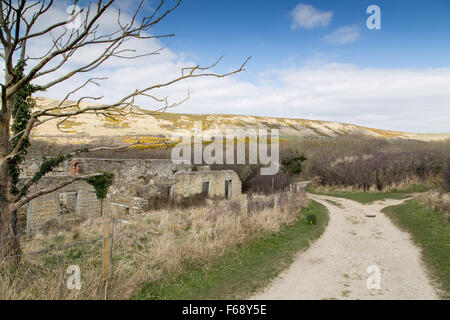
(45, 191)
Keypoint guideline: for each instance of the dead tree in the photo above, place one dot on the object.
(19, 116)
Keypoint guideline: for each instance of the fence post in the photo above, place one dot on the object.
(107, 248)
(244, 204)
(276, 198)
(30, 216)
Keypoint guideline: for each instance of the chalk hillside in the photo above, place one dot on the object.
(147, 124)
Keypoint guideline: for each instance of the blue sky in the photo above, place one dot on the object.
(415, 34)
(311, 59)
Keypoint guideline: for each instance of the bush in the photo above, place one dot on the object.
(446, 177)
(311, 218)
(292, 162)
(380, 170)
(268, 184)
(101, 184)
(327, 149)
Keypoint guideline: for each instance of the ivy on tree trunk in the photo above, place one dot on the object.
(21, 108)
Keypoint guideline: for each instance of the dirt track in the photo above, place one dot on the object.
(335, 266)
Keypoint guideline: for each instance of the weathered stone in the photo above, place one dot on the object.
(136, 181)
(191, 183)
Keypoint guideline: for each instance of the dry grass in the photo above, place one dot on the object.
(147, 248)
(438, 201)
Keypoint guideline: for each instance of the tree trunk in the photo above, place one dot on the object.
(9, 241)
(9, 236)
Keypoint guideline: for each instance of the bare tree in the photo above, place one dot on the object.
(19, 116)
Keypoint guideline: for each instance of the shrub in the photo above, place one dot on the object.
(101, 184)
(268, 184)
(292, 162)
(380, 169)
(311, 218)
(446, 177)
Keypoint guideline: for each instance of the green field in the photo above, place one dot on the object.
(247, 268)
(430, 232)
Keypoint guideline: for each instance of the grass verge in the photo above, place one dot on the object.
(246, 269)
(429, 232)
(370, 196)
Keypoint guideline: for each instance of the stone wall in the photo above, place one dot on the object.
(50, 207)
(191, 183)
(124, 169)
(130, 174)
(135, 182)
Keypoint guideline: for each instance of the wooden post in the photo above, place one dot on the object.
(275, 201)
(30, 216)
(107, 248)
(244, 204)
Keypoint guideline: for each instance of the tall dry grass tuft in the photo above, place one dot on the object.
(147, 248)
(438, 201)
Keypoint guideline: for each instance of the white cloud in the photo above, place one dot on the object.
(307, 17)
(343, 35)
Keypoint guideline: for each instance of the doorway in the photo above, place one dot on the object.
(228, 189)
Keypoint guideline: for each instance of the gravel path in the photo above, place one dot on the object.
(336, 265)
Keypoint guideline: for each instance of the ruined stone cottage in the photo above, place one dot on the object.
(135, 182)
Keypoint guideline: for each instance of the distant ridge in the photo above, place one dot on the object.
(86, 127)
